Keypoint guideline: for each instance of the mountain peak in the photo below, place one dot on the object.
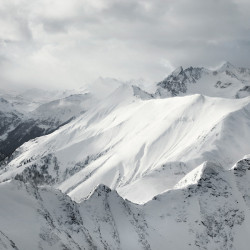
(202, 172)
(177, 71)
(227, 66)
(100, 190)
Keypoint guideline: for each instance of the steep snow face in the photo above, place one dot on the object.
(140, 148)
(227, 81)
(210, 211)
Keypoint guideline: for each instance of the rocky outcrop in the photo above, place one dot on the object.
(208, 210)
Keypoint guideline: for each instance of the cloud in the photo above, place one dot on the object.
(71, 42)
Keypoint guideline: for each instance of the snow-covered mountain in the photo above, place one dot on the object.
(25, 117)
(29, 99)
(227, 81)
(208, 209)
(38, 112)
(175, 153)
(138, 147)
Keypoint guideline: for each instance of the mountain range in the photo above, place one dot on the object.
(113, 166)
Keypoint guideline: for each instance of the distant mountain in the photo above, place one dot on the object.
(227, 81)
(25, 119)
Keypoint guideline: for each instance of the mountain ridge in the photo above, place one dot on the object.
(104, 219)
(188, 134)
(199, 80)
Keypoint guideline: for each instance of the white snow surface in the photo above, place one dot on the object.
(138, 147)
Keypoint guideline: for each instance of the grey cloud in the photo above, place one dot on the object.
(54, 25)
(122, 39)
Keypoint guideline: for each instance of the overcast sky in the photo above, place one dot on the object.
(69, 42)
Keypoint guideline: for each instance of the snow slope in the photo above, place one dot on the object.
(138, 147)
(208, 210)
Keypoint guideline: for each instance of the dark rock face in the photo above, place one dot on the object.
(39, 174)
(241, 167)
(46, 171)
(221, 220)
(176, 83)
(243, 92)
(17, 128)
(6, 121)
(23, 132)
(222, 85)
(9, 120)
(228, 76)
